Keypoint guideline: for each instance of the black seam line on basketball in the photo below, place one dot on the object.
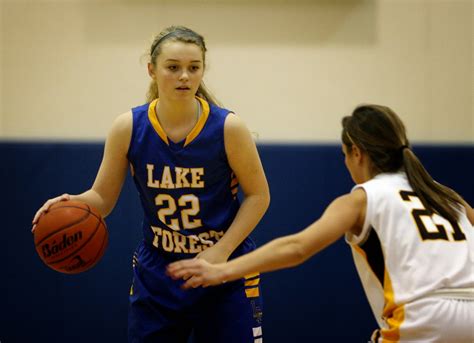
(106, 237)
(90, 211)
(83, 244)
(101, 250)
(80, 220)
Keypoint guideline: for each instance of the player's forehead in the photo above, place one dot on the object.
(177, 51)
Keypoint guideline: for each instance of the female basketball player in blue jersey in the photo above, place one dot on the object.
(187, 157)
(412, 238)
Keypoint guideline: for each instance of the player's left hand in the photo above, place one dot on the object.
(196, 272)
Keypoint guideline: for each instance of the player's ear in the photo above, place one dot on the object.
(151, 70)
(356, 152)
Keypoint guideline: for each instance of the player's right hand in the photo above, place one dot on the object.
(46, 207)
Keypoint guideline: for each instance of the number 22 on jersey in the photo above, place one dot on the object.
(187, 205)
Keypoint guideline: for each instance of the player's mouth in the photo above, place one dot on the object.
(183, 88)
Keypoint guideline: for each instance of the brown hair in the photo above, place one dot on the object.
(179, 34)
(379, 132)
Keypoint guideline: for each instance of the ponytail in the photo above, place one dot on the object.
(203, 92)
(435, 197)
(152, 93)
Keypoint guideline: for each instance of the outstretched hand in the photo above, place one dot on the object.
(197, 272)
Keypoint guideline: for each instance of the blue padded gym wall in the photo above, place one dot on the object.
(319, 301)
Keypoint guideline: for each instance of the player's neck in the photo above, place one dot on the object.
(368, 171)
(177, 113)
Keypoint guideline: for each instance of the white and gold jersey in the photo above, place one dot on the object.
(403, 253)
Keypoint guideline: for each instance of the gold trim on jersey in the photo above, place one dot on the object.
(233, 182)
(252, 292)
(394, 315)
(251, 276)
(155, 123)
(234, 185)
(191, 135)
(253, 282)
(201, 122)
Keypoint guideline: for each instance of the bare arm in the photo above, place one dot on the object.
(112, 172)
(346, 213)
(106, 189)
(244, 160)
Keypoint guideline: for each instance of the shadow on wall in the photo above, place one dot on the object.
(238, 22)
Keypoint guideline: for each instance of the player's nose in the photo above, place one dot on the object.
(184, 76)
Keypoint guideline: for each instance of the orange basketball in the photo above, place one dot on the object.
(71, 237)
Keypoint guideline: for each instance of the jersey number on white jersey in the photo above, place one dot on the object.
(431, 226)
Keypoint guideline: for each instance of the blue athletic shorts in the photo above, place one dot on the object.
(161, 312)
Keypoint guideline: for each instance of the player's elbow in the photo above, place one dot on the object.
(260, 200)
(102, 202)
(297, 253)
(301, 254)
(107, 206)
(265, 200)
(106, 211)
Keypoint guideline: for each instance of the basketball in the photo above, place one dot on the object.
(71, 237)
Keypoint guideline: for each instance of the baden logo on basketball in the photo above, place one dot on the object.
(58, 247)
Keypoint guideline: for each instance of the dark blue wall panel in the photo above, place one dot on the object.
(321, 300)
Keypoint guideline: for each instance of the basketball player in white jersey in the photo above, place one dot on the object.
(412, 238)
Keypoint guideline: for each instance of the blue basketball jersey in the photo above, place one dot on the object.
(188, 190)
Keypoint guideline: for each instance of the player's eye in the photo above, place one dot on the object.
(173, 67)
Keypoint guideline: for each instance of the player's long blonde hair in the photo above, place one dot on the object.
(185, 35)
(379, 132)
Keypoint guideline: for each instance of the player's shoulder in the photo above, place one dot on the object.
(235, 129)
(356, 198)
(233, 121)
(238, 139)
(123, 120)
(228, 118)
(122, 125)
